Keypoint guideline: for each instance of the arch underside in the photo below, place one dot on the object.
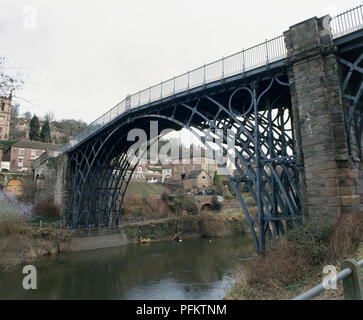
(351, 76)
(264, 155)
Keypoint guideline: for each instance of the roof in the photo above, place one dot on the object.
(195, 174)
(36, 145)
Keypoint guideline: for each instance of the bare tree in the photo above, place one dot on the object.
(49, 116)
(28, 115)
(8, 83)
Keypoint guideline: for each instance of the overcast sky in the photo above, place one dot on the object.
(81, 57)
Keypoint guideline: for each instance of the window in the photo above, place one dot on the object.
(56, 153)
(20, 162)
(176, 169)
(33, 152)
(2, 105)
(184, 169)
(2, 118)
(21, 152)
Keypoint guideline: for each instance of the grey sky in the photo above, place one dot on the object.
(84, 57)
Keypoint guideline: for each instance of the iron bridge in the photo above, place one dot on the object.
(247, 93)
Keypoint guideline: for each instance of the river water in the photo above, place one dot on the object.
(190, 270)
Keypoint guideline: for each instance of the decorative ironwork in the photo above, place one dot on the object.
(259, 112)
(352, 91)
(264, 156)
(248, 59)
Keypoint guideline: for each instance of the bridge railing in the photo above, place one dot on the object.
(347, 22)
(352, 282)
(245, 60)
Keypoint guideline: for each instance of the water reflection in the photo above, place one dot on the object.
(193, 269)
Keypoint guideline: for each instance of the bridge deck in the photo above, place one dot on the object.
(257, 60)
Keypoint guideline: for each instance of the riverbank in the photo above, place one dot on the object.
(294, 263)
(22, 244)
(204, 225)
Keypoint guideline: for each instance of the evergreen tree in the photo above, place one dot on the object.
(217, 181)
(45, 133)
(34, 128)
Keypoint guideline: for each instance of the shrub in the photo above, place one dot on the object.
(216, 205)
(46, 209)
(211, 225)
(346, 236)
(165, 196)
(304, 252)
(179, 203)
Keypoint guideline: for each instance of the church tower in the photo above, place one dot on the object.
(5, 107)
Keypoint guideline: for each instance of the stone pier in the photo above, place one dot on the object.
(328, 175)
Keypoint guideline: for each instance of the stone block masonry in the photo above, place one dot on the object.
(327, 175)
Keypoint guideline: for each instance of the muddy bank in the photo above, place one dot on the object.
(23, 244)
(210, 225)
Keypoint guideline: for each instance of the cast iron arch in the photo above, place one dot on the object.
(264, 156)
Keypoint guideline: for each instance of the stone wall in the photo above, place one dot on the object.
(202, 182)
(326, 169)
(60, 192)
(49, 174)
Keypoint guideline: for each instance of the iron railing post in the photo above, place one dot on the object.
(204, 78)
(222, 67)
(243, 61)
(353, 288)
(128, 102)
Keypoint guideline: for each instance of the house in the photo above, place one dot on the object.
(144, 172)
(197, 180)
(166, 173)
(25, 150)
(183, 166)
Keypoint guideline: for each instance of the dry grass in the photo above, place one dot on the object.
(8, 229)
(19, 244)
(138, 208)
(294, 263)
(211, 225)
(219, 224)
(346, 237)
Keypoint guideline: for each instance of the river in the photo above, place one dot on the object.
(194, 269)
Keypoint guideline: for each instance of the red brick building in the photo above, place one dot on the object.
(25, 150)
